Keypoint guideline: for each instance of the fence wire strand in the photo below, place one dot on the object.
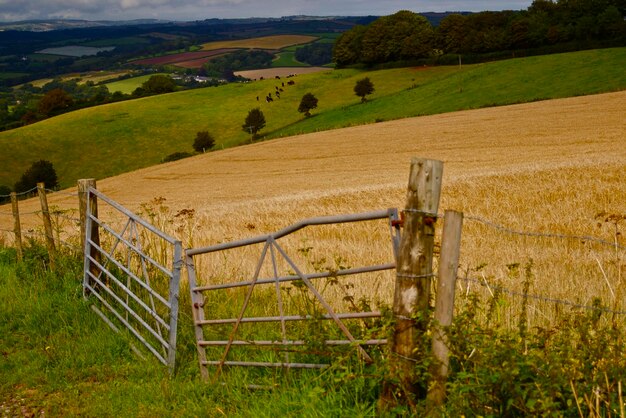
(502, 289)
(542, 234)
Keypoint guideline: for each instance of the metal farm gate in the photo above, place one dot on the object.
(132, 274)
(216, 336)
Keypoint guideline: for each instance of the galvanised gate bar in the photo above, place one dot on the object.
(272, 248)
(132, 274)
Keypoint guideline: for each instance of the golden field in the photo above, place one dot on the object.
(264, 42)
(547, 167)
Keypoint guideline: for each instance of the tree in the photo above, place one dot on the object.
(54, 101)
(204, 141)
(159, 84)
(347, 49)
(40, 171)
(402, 36)
(308, 102)
(364, 87)
(255, 121)
(5, 192)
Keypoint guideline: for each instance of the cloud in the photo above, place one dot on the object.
(202, 9)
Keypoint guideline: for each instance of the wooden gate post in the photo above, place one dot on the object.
(413, 279)
(444, 305)
(47, 223)
(83, 193)
(17, 229)
(88, 229)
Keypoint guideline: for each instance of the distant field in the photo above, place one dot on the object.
(128, 85)
(287, 59)
(266, 42)
(182, 57)
(279, 72)
(96, 77)
(197, 63)
(111, 139)
(75, 50)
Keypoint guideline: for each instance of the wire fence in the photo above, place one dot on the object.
(66, 215)
(494, 287)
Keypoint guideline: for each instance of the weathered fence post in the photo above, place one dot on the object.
(444, 304)
(88, 206)
(413, 279)
(17, 228)
(47, 223)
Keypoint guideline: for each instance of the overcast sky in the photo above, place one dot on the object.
(186, 10)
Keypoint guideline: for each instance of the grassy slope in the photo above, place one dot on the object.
(111, 139)
(128, 85)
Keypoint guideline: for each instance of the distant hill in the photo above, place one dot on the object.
(59, 24)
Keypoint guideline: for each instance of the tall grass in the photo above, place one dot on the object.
(60, 359)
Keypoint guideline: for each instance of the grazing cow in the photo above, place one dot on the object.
(283, 84)
(291, 82)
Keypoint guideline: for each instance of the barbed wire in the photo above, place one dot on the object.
(502, 289)
(542, 234)
(62, 215)
(20, 193)
(75, 194)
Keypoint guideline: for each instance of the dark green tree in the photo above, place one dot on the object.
(54, 101)
(5, 192)
(347, 49)
(308, 103)
(204, 141)
(159, 84)
(402, 36)
(363, 88)
(255, 121)
(40, 171)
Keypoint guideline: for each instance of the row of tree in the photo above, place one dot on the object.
(408, 36)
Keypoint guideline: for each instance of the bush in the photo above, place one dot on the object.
(40, 171)
(177, 156)
(204, 141)
(308, 103)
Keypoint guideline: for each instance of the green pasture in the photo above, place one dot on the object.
(120, 137)
(127, 86)
(287, 59)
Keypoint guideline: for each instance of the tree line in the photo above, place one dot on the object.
(560, 25)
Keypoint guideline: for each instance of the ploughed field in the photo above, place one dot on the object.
(550, 166)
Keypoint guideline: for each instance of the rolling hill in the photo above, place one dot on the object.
(108, 140)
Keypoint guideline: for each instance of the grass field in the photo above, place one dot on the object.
(128, 85)
(287, 59)
(150, 128)
(265, 42)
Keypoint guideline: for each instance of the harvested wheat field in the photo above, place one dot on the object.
(549, 167)
(263, 42)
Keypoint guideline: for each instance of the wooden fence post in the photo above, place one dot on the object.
(444, 304)
(92, 230)
(17, 228)
(413, 279)
(47, 223)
